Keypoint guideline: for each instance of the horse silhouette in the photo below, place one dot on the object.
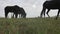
(15, 10)
(50, 5)
(21, 12)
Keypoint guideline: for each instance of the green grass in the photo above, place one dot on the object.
(30, 26)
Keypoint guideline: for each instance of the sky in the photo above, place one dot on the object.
(33, 8)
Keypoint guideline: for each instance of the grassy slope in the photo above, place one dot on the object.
(30, 26)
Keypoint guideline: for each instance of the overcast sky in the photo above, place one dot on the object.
(33, 8)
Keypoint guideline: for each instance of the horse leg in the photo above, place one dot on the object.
(16, 15)
(13, 16)
(48, 12)
(6, 13)
(58, 14)
(43, 12)
(19, 15)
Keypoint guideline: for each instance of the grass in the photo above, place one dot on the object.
(30, 26)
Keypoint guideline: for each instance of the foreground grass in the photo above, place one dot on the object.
(30, 26)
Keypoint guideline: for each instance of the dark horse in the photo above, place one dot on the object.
(21, 12)
(50, 5)
(16, 10)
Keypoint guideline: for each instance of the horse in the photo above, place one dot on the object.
(21, 12)
(15, 10)
(50, 5)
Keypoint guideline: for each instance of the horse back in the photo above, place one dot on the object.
(51, 5)
(9, 9)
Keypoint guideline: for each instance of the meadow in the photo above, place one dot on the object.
(29, 26)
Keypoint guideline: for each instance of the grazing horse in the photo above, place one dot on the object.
(50, 5)
(15, 10)
(21, 12)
